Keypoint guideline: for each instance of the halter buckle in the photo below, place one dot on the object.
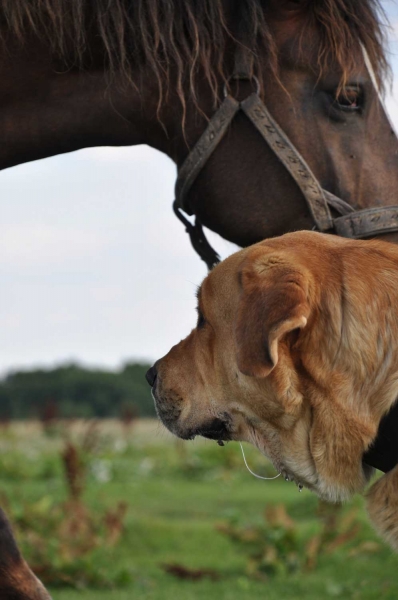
(241, 77)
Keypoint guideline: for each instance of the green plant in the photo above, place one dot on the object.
(66, 543)
(273, 547)
(277, 545)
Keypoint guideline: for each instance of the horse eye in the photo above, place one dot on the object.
(349, 99)
(201, 320)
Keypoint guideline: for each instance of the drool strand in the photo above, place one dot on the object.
(254, 474)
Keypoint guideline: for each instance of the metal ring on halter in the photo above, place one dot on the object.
(241, 77)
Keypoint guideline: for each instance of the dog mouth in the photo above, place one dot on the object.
(169, 412)
(217, 429)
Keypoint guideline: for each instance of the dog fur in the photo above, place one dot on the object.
(296, 352)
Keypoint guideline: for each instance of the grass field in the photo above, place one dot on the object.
(178, 495)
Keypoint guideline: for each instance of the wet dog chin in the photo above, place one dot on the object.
(217, 429)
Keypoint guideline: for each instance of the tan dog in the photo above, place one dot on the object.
(295, 351)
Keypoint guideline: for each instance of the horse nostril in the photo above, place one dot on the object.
(151, 375)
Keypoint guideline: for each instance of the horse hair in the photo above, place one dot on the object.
(187, 36)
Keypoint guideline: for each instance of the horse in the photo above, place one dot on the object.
(77, 74)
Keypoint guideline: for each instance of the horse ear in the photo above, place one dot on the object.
(274, 302)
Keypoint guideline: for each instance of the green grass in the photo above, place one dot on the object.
(177, 494)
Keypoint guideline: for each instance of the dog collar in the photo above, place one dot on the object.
(383, 453)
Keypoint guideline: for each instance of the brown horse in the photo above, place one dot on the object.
(78, 73)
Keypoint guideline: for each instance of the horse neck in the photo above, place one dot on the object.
(47, 109)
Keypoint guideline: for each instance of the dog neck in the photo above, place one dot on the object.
(383, 453)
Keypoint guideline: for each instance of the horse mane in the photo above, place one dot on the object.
(184, 36)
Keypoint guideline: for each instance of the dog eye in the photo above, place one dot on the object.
(201, 320)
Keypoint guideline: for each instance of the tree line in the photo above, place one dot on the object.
(72, 391)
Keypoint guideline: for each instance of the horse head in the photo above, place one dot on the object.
(329, 104)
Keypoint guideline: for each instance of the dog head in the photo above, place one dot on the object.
(278, 358)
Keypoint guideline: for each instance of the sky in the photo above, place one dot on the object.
(94, 266)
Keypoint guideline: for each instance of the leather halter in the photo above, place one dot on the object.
(350, 224)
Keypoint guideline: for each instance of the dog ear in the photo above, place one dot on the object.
(274, 302)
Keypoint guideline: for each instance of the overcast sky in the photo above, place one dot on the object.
(94, 267)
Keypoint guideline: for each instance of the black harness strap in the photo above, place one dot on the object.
(383, 453)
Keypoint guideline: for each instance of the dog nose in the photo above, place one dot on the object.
(151, 375)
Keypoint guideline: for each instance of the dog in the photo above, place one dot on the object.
(295, 351)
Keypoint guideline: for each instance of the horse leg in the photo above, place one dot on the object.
(17, 582)
(382, 505)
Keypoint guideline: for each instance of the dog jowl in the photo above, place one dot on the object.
(295, 351)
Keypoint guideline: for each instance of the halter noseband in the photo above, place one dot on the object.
(350, 224)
